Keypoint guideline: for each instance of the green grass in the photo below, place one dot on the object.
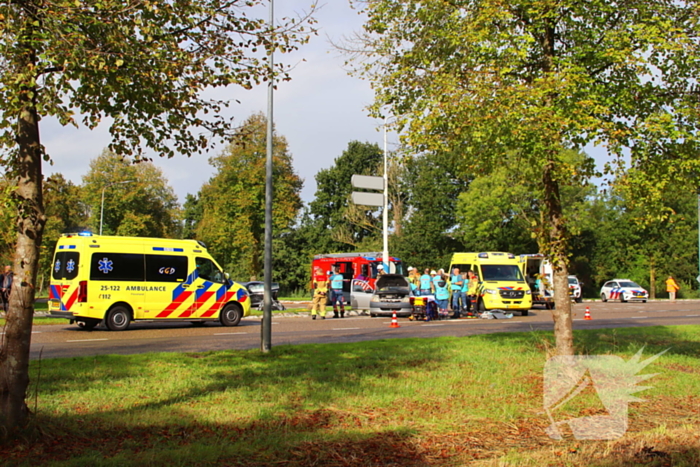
(444, 401)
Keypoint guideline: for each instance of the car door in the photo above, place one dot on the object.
(360, 295)
(206, 287)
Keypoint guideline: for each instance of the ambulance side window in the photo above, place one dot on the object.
(66, 265)
(106, 266)
(166, 268)
(207, 270)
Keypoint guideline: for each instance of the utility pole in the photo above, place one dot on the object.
(266, 327)
(385, 213)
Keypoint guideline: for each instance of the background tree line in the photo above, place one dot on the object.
(436, 208)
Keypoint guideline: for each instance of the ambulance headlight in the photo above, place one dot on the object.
(528, 292)
(491, 291)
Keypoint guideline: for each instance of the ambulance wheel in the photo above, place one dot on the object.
(231, 315)
(88, 324)
(118, 318)
(480, 307)
(524, 312)
(602, 297)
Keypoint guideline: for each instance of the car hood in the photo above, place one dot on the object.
(392, 283)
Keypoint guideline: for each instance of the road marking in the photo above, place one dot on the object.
(426, 325)
(639, 317)
(344, 329)
(228, 333)
(86, 340)
(691, 316)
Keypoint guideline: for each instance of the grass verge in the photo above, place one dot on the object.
(409, 402)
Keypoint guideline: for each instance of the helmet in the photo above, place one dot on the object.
(380, 267)
(410, 268)
(433, 272)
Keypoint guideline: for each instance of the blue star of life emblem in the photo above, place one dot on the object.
(70, 265)
(57, 267)
(105, 265)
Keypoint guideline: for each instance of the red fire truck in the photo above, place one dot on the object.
(355, 266)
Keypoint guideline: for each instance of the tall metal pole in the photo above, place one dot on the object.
(385, 214)
(266, 328)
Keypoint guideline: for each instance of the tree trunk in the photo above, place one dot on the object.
(652, 281)
(558, 246)
(14, 348)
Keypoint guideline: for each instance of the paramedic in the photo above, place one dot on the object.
(413, 279)
(435, 278)
(442, 295)
(425, 282)
(337, 293)
(320, 284)
(458, 297)
(473, 291)
(467, 304)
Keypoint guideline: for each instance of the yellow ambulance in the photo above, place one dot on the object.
(501, 282)
(117, 280)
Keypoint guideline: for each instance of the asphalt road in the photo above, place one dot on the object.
(70, 341)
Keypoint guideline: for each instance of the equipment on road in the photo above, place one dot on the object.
(588, 314)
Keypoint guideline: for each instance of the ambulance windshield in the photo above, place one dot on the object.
(501, 272)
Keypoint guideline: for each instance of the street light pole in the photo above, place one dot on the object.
(102, 204)
(266, 324)
(385, 212)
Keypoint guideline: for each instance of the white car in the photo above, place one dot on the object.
(624, 290)
(575, 289)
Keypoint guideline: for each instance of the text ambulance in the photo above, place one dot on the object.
(120, 279)
(501, 282)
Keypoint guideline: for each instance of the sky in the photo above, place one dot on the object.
(319, 111)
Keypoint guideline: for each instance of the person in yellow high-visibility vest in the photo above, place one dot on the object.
(320, 284)
(672, 287)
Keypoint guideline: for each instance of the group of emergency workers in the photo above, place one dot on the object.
(333, 279)
(463, 286)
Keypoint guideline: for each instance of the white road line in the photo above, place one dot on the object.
(639, 317)
(228, 333)
(691, 316)
(86, 340)
(344, 329)
(426, 325)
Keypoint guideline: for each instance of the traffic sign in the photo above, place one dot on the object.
(367, 182)
(368, 199)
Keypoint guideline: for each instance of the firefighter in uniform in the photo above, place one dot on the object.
(320, 284)
(337, 293)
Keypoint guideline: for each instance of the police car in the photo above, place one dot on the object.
(624, 290)
(575, 289)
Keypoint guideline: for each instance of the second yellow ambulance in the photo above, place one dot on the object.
(501, 282)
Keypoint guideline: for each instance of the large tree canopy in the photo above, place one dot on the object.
(137, 199)
(141, 67)
(516, 83)
(232, 220)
